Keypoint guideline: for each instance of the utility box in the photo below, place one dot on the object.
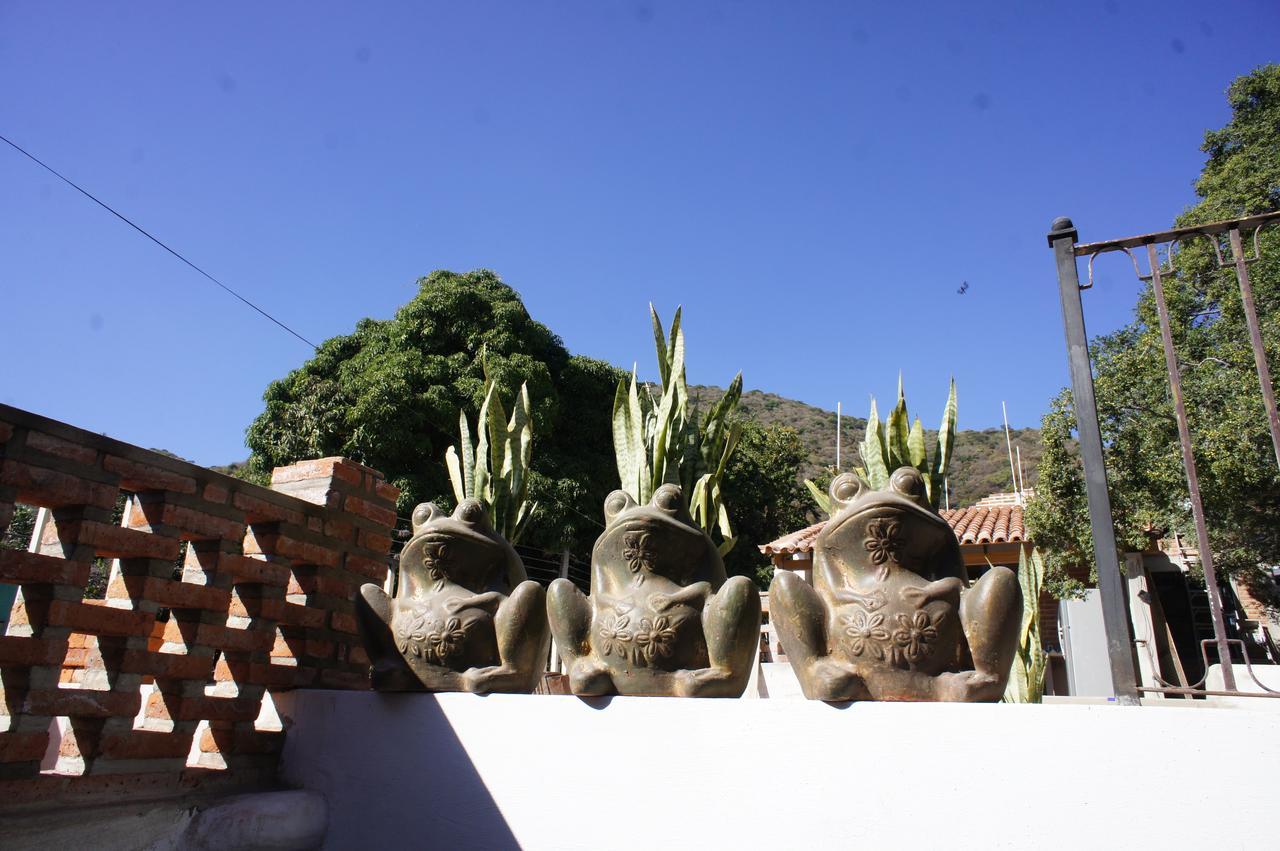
(1084, 643)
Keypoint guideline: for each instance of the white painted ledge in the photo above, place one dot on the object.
(536, 771)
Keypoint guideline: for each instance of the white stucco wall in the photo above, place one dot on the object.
(460, 771)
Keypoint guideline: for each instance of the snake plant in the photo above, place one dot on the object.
(1026, 680)
(892, 444)
(661, 440)
(495, 468)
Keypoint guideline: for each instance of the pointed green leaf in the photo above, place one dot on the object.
(873, 451)
(915, 447)
(468, 457)
(455, 473)
(483, 471)
(622, 441)
(675, 351)
(819, 496)
(660, 344)
(639, 444)
(896, 428)
(945, 444)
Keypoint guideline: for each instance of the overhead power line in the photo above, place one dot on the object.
(142, 231)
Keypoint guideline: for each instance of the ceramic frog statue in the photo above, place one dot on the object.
(662, 618)
(465, 616)
(888, 616)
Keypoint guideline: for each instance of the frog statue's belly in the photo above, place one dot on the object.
(425, 630)
(886, 628)
(632, 634)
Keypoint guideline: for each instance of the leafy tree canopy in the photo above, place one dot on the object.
(767, 498)
(388, 395)
(1235, 461)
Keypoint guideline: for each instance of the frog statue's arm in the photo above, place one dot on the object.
(502, 580)
(690, 595)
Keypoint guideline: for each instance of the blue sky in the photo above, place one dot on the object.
(812, 181)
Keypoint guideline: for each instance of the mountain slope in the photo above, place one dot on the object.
(980, 466)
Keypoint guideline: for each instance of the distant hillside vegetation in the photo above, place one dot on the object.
(980, 467)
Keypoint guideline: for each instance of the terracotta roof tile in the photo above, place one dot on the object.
(979, 524)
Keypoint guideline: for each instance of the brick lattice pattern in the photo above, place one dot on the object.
(220, 590)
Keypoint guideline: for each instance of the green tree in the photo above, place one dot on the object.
(18, 535)
(1235, 462)
(767, 499)
(388, 395)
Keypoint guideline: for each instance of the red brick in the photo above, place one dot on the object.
(356, 655)
(373, 541)
(319, 582)
(265, 511)
(256, 607)
(261, 674)
(343, 623)
(387, 492)
(191, 524)
(282, 649)
(177, 666)
(99, 619)
(110, 541)
(24, 650)
(182, 631)
(82, 703)
(6, 432)
(303, 616)
(50, 445)
(175, 595)
(267, 541)
(318, 649)
(340, 530)
(322, 468)
(23, 568)
(145, 744)
(368, 510)
(135, 476)
(50, 488)
(173, 707)
(217, 738)
(254, 571)
(215, 493)
(375, 569)
(23, 747)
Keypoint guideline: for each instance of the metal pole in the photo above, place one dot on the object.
(1115, 619)
(1255, 339)
(837, 436)
(1193, 481)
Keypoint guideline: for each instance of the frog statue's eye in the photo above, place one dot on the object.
(470, 511)
(908, 482)
(668, 498)
(616, 503)
(845, 487)
(424, 514)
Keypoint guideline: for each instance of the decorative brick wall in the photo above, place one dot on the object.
(220, 591)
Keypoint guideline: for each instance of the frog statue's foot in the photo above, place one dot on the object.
(523, 637)
(731, 625)
(991, 614)
(798, 615)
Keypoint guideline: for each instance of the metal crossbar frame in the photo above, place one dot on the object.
(1062, 239)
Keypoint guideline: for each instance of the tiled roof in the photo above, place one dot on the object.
(980, 524)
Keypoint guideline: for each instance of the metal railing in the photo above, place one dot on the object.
(1062, 239)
